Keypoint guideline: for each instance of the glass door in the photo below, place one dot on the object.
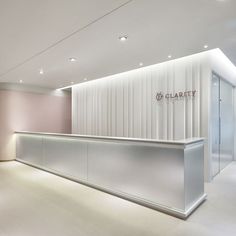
(215, 125)
(222, 124)
(226, 124)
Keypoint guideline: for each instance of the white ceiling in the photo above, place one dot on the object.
(45, 34)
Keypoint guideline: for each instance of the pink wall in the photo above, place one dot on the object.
(26, 111)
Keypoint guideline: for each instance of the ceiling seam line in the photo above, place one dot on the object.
(64, 39)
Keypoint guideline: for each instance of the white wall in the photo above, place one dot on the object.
(126, 105)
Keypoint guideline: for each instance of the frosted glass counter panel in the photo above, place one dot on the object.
(165, 175)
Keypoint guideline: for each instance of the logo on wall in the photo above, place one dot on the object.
(159, 96)
(175, 96)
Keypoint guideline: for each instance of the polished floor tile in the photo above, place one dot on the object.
(36, 203)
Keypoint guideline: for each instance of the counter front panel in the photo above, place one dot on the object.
(165, 175)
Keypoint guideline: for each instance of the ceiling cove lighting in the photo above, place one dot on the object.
(123, 38)
(72, 59)
(66, 87)
(214, 53)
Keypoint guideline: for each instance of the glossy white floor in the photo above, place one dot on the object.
(36, 203)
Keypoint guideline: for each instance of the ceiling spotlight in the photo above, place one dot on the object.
(41, 72)
(85, 79)
(140, 64)
(72, 59)
(123, 38)
(21, 81)
(205, 46)
(169, 56)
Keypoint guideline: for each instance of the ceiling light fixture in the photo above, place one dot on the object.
(85, 79)
(72, 59)
(41, 72)
(21, 81)
(140, 64)
(72, 82)
(205, 46)
(169, 56)
(123, 38)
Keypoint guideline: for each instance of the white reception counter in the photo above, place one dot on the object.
(164, 175)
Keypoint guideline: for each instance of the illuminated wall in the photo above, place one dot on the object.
(126, 105)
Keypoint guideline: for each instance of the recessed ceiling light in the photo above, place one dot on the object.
(85, 79)
(72, 82)
(123, 38)
(41, 72)
(205, 46)
(169, 56)
(140, 64)
(72, 59)
(21, 81)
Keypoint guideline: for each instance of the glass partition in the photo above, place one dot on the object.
(222, 124)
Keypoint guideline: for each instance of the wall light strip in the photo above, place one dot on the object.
(66, 87)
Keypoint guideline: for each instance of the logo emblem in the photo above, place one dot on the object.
(159, 96)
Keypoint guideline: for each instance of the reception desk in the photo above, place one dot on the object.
(164, 175)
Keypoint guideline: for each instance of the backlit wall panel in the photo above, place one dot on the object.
(125, 104)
